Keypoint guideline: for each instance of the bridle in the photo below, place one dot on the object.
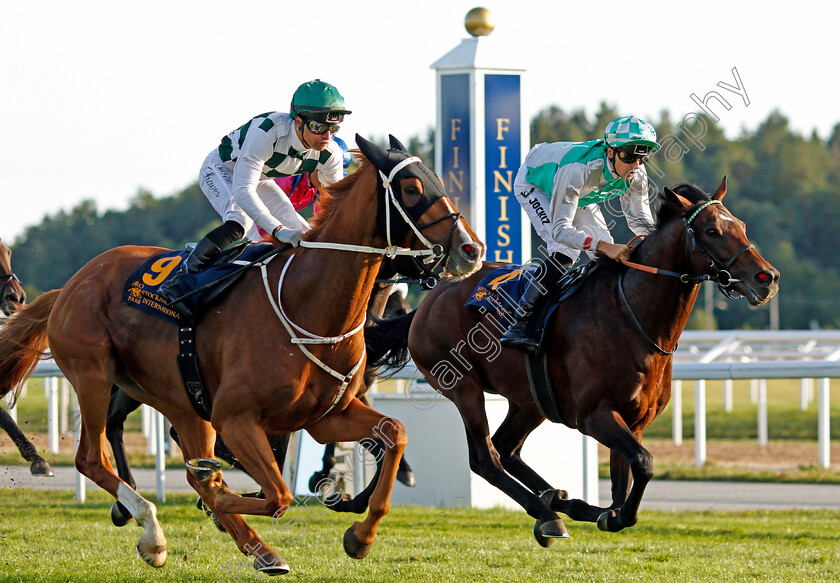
(439, 252)
(720, 269)
(7, 280)
(392, 250)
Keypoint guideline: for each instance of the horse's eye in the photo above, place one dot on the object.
(711, 232)
(411, 195)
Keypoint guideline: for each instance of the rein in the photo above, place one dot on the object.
(721, 274)
(392, 250)
(435, 250)
(311, 338)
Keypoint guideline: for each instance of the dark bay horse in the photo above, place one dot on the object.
(13, 297)
(278, 353)
(609, 355)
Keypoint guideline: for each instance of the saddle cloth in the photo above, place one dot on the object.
(500, 290)
(141, 287)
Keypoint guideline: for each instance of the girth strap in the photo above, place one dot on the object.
(190, 374)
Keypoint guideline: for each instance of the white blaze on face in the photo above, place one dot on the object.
(461, 229)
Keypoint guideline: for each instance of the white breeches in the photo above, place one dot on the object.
(216, 180)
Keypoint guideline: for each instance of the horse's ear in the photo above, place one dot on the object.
(675, 201)
(372, 152)
(396, 144)
(721, 190)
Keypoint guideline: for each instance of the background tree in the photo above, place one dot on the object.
(786, 187)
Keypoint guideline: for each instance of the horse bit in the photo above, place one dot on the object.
(7, 279)
(720, 270)
(436, 250)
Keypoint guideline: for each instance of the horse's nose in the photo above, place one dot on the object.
(767, 277)
(12, 296)
(470, 251)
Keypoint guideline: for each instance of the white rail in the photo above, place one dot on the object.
(822, 347)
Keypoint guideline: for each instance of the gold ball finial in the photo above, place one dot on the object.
(479, 22)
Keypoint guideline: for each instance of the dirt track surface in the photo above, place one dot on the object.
(777, 455)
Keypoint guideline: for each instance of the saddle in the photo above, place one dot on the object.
(200, 290)
(499, 293)
(500, 290)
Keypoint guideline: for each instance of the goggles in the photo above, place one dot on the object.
(320, 127)
(630, 154)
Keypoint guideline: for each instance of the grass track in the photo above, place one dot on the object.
(48, 537)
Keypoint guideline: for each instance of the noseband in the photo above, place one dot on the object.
(7, 280)
(720, 270)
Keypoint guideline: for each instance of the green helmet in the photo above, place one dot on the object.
(319, 101)
(629, 131)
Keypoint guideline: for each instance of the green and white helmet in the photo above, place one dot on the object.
(630, 131)
(319, 101)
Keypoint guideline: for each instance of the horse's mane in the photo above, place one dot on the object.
(331, 198)
(662, 214)
(694, 195)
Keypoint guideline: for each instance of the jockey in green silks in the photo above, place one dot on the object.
(560, 186)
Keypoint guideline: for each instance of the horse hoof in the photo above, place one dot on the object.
(543, 541)
(41, 468)
(549, 530)
(406, 477)
(203, 469)
(210, 514)
(315, 482)
(355, 548)
(153, 555)
(271, 564)
(119, 514)
(609, 521)
(549, 496)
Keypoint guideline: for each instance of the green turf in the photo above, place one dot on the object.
(48, 537)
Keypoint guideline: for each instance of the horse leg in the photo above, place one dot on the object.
(486, 462)
(38, 465)
(198, 440)
(607, 426)
(508, 441)
(249, 443)
(328, 463)
(405, 475)
(119, 407)
(92, 458)
(360, 501)
(356, 422)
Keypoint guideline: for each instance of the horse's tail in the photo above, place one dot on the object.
(22, 342)
(387, 341)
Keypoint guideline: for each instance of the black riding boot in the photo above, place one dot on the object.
(204, 253)
(517, 335)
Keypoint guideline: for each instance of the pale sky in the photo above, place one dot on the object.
(102, 98)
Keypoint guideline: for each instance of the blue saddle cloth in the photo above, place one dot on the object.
(140, 289)
(499, 292)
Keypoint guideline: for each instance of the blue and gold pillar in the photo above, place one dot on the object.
(482, 137)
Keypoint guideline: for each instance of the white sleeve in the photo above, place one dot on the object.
(635, 203)
(247, 172)
(568, 184)
(333, 170)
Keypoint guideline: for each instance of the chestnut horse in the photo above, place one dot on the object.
(273, 361)
(382, 303)
(13, 297)
(609, 354)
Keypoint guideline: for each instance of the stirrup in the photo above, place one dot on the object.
(517, 337)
